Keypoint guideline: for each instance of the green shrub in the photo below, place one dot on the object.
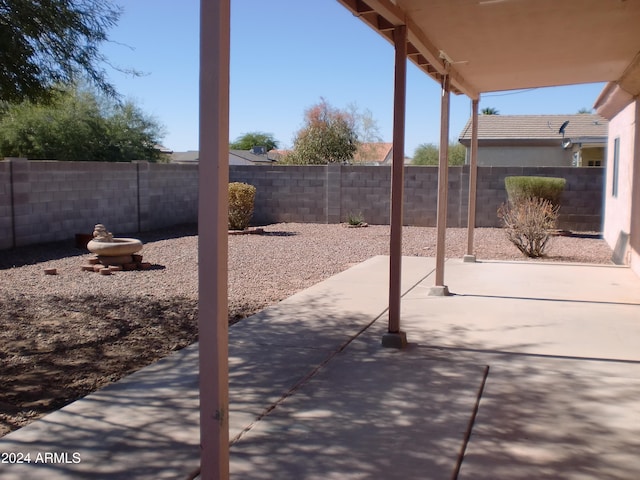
(547, 188)
(241, 200)
(528, 224)
(355, 219)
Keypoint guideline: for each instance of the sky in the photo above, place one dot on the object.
(285, 56)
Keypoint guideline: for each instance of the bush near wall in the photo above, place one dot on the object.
(532, 212)
(241, 199)
(522, 188)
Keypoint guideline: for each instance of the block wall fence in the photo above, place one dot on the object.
(46, 201)
(328, 194)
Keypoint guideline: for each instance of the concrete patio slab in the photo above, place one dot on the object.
(362, 417)
(550, 418)
(562, 396)
(536, 365)
(553, 281)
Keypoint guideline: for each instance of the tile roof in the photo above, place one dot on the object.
(527, 127)
(372, 152)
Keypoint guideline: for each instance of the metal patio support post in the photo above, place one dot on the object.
(473, 182)
(394, 337)
(212, 239)
(443, 186)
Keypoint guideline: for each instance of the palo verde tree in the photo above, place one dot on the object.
(254, 139)
(429, 154)
(78, 124)
(328, 136)
(51, 43)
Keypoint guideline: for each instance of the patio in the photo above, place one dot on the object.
(528, 371)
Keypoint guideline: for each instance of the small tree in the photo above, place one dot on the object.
(77, 124)
(241, 200)
(328, 136)
(254, 139)
(490, 111)
(429, 154)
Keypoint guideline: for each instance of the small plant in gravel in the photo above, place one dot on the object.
(529, 223)
(356, 220)
(241, 200)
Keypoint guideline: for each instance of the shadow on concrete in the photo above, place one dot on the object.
(548, 416)
(142, 427)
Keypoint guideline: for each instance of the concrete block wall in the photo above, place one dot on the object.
(168, 194)
(366, 190)
(44, 201)
(6, 211)
(53, 200)
(286, 193)
(582, 200)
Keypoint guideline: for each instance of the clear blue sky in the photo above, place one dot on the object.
(285, 55)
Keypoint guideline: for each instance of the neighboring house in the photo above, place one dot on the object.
(622, 185)
(190, 156)
(255, 156)
(539, 140)
(373, 153)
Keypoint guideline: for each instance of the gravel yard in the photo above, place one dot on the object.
(65, 335)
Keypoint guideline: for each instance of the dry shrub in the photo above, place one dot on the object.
(528, 224)
(241, 200)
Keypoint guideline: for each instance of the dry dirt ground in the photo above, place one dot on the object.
(64, 336)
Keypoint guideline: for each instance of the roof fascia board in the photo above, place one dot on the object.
(383, 15)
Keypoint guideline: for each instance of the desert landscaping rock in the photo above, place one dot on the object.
(63, 337)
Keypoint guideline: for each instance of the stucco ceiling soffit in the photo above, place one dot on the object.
(630, 79)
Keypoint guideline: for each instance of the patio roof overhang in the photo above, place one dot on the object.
(496, 45)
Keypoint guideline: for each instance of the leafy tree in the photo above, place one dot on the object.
(429, 154)
(457, 154)
(254, 139)
(365, 125)
(78, 124)
(51, 43)
(328, 136)
(426, 154)
(585, 110)
(490, 111)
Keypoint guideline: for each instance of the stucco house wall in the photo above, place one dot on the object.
(621, 228)
(523, 156)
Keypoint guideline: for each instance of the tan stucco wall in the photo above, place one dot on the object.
(617, 224)
(535, 156)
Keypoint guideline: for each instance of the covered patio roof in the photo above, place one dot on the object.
(495, 45)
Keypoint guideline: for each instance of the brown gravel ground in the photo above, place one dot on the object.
(63, 336)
